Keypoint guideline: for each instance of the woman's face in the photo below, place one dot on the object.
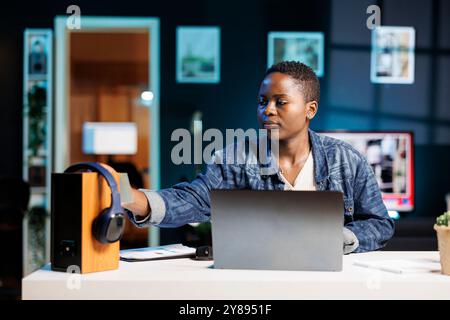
(281, 106)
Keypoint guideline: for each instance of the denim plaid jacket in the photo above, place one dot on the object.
(337, 167)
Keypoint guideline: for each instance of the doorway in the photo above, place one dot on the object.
(102, 71)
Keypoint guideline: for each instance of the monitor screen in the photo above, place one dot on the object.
(109, 138)
(390, 154)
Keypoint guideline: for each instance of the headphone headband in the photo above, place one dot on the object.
(109, 225)
(95, 166)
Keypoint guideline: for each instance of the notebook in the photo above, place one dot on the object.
(172, 251)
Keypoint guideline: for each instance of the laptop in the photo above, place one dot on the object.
(277, 230)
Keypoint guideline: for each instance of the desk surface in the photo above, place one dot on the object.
(188, 279)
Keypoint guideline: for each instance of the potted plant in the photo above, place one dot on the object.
(35, 258)
(37, 132)
(443, 234)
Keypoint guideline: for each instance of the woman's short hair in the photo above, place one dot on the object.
(302, 74)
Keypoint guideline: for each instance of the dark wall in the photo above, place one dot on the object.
(349, 100)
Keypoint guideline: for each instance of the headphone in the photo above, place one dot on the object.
(109, 225)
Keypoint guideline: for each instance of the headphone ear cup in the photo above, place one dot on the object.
(116, 227)
(108, 227)
(100, 226)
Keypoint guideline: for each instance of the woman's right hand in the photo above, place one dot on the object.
(139, 205)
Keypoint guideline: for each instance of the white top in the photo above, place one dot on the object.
(305, 180)
(189, 279)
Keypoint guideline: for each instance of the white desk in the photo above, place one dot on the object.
(188, 279)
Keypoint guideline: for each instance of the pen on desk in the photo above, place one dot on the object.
(382, 268)
(391, 270)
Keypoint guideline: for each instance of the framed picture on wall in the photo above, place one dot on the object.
(392, 58)
(198, 54)
(37, 56)
(306, 47)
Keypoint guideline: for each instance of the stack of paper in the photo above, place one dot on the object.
(157, 253)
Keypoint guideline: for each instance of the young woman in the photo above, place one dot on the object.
(288, 101)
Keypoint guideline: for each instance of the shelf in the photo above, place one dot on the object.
(37, 77)
(38, 190)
